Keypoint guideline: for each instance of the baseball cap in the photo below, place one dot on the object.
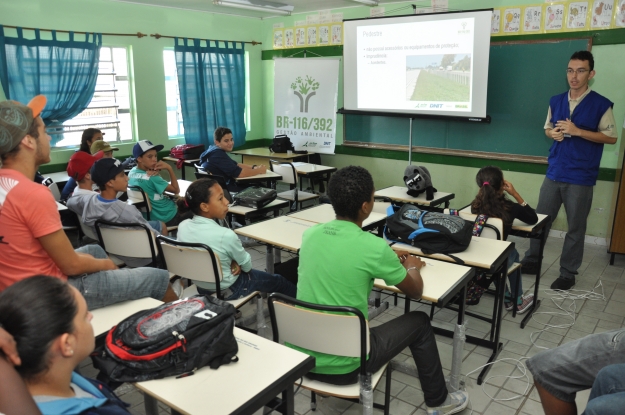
(143, 146)
(80, 163)
(101, 145)
(16, 119)
(105, 169)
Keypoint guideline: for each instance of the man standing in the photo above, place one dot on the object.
(580, 122)
(32, 240)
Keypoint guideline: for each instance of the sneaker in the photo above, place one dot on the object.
(529, 267)
(563, 283)
(177, 287)
(455, 403)
(526, 304)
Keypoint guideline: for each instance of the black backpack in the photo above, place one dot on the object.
(281, 144)
(433, 232)
(255, 197)
(173, 339)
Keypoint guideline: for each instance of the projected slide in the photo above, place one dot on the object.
(426, 66)
(432, 64)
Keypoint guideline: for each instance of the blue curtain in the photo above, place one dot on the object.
(212, 89)
(64, 71)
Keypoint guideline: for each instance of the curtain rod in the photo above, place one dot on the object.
(138, 34)
(253, 42)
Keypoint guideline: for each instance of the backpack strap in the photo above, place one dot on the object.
(478, 226)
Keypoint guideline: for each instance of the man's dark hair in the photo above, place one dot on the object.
(584, 55)
(33, 131)
(220, 132)
(348, 189)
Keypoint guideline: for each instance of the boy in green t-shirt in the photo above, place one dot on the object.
(145, 175)
(337, 266)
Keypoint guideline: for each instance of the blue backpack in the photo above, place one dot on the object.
(432, 232)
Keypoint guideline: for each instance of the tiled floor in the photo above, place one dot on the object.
(407, 398)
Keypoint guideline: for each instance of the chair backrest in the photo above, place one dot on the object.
(312, 327)
(137, 193)
(127, 239)
(87, 230)
(195, 261)
(54, 188)
(285, 169)
(493, 228)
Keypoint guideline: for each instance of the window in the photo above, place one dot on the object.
(109, 109)
(175, 129)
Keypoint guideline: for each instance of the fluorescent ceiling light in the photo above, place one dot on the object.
(368, 2)
(257, 5)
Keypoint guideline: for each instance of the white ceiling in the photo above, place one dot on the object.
(301, 6)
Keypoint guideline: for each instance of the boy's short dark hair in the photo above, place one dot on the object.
(220, 132)
(584, 55)
(348, 189)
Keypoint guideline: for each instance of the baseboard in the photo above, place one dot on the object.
(594, 240)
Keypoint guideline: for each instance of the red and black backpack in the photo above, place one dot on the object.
(173, 339)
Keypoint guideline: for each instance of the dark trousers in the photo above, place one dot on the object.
(411, 330)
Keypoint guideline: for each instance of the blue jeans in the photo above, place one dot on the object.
(574, 366)
(577, 201)
(104, 288)
(607, 396)
(256, 280)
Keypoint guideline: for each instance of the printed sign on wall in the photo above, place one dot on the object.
(512, 20)
(532, 19)
(601, 14)
(554, 16)
(305, 100)
(577, 15)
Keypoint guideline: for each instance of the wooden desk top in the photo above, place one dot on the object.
(259, 177)
(58, 177)
(439, 280)
(398, 193)
(188, 162)
(482, 252)
(325, 213)
(107, 317)
(308, 168)
(243, 210)
(517, 225)
(264, 152)
(283, 232)
(228, 389)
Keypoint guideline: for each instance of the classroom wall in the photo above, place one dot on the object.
(147, 53)
(609, 61)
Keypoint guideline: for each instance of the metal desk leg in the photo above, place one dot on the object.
(288, 400)
(498, 314)
(269, 259)
(534, 307)
(151, 404)
(458, 344)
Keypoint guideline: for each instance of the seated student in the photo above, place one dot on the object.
(53, 335)
(103, 146)
(32, 240)
(89, 136)
(146, 175)
(597, 361)
(108, 174)
(491, 200)
(205, 198)
(78, 168)
(217, 161)
(338, 264)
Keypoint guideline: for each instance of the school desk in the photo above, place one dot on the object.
(398, 194)
(262, 155)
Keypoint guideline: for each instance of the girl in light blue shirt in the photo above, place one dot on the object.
(205, 198)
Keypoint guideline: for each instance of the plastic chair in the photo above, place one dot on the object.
(138, 196)
(311, 326)
(127, 239)
(289, 175)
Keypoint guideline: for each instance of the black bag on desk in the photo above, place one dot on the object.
(281, 144)
(255, 197)
(433, 232)
(172, 339)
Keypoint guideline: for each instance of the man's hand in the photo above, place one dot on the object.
(262, 169)
(413, 262)
(9, 347)
(402, 255)
(567, 127)
(235, 268)
(556, 134)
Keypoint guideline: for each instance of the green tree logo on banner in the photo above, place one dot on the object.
(304, 89)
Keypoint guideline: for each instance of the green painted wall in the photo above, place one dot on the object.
(147, 53)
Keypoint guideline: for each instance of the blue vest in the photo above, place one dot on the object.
(576, 160)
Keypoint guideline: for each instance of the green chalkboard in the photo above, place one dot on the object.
(522, 76)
